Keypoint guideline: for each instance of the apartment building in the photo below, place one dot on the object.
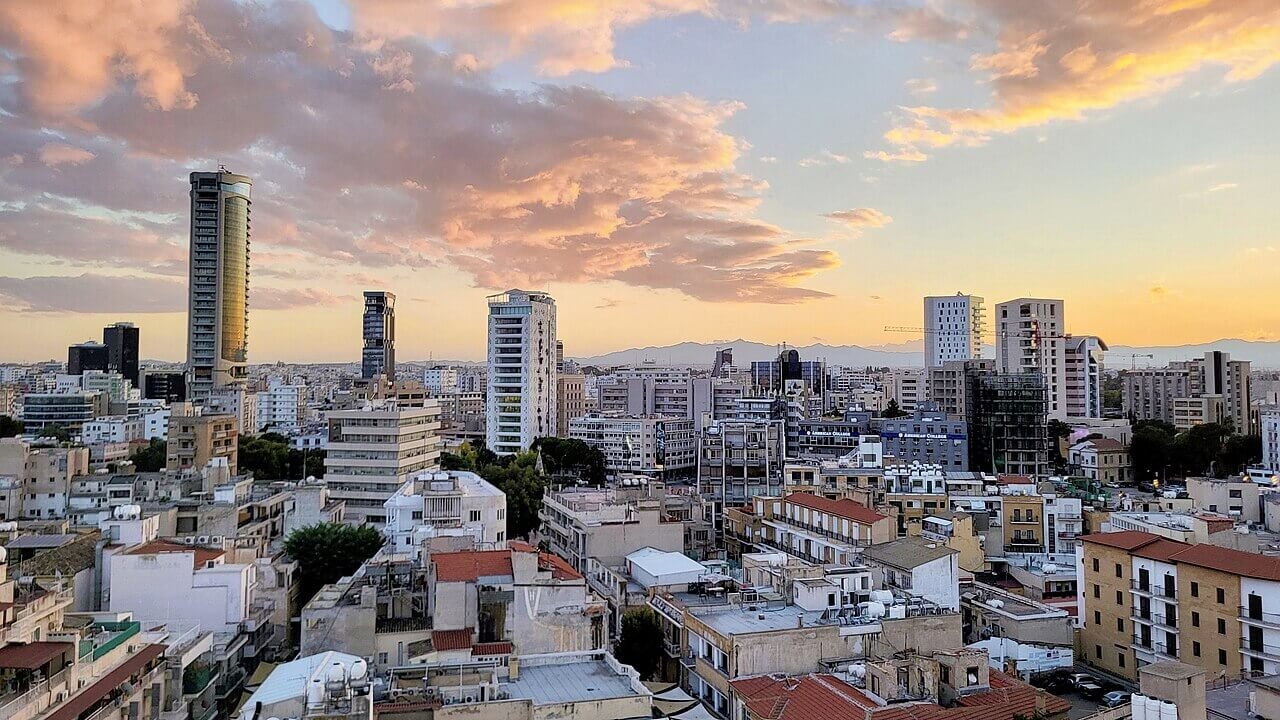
(655, 445)
(522, 376)
(1148, 599)
(948, 384)
(571, 401)
(282, 407)
(606, 524)
(1085, 368)
(1269, 429)
(36, 482)
(906, 388)
(1239, 500)
(445, 503)
(738, 459)
(1101, 460)
(954, 326)
(371, 453)
(194, 440)
(810, 527)
(1030, 339)
(669, 392)
(1149, 393)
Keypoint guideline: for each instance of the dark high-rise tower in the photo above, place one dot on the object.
(218, 303)
(86, 356)
(379, 354)
(121, 340)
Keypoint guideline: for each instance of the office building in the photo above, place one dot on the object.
(523, 384)
(654, 445)
(571, 401)
(905, 387)
(218, 304)
(673, 393)
(738, 459)
(788, 374)
(65, 410)
(1084, 374)
(1030, 339)
(379, 354)
(170, 387)
(372, 452)
(86, 356)
(195, 440)
(953, 328)
(1217, 374)
(1149, 393)
(1008, 424)
(121, 340)
(929, 437)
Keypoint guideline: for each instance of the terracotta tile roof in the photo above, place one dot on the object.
(492, 648)
(451, 639)
(471, 565)
(97, 692)
(1125, 540)
(1161, 549)
(1236, 562)
(202, 555)
(1013, 696)
(32, 655)
(521, 546)
(812, 697)
(844, 508)
(1105, 445)
(560, 570)
(1015, 480)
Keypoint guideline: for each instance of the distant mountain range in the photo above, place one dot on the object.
(910, 354)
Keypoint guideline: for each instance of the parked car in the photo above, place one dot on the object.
(1080, 677)
(1091, 690)
(1055, 682)
(1115, 698)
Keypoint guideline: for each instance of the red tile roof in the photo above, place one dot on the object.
(33, 655)
(844, 507)
(1105, 445)
(451, 639)
(1236, 562)
(1126, 540)
(1161, 549)
(1015, 480)
(97, 692)
(471, 565)
(1014, 697)
(202, 555)
(812, 697)
(491, 648)
(521, 546)
(560, 570)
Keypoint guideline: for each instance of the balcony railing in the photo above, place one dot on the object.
(1270, 652)
(1267, 619)
(1155, 590)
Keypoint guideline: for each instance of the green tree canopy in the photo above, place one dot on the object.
(516, 475)
(151, 458)
(640, 643)
(10, 427)
(893, 411)
(567, 458)
(328, 552)
(269, 457)
(57, 432)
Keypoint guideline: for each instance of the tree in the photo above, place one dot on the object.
(571, 458)
(57, 432)
(327, 552)
(1197, 450)
(10, 427)
(1238, 453)
(151, 458)
(893, 411)
(640, 643)
(516, 476)
(1151, 450)
(1058, 431)
(266, 456)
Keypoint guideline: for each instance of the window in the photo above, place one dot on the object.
(1120, 657)
(1097, 591)
(1120, 624)
(1222, 626)
(1097, 651)
(1195, 589)
(1195, 619)
(1222, 657)
(1097, 618)
(475, 516)
(1119, 570)
(1195, 648)
(1222, 596)
(1119, 597)
(1096, 564)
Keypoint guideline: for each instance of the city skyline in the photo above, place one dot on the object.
(826, 168)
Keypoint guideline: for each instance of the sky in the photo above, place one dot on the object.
(792, 171)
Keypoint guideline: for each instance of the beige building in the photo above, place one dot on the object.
(373, 451)
(1102, 460)
(814, 528)
(571, 401)
(194, 440)
(1237, 499)
(1023, 523)
(606, 524)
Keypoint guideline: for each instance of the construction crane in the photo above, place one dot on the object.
(1133, 358)
(986, 335)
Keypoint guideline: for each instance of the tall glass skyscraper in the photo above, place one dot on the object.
(379, 354)
(121, 340)
(218, 304)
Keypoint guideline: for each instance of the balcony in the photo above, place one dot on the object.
(1169, 653)
(1159, 591)
(1263, 619)
(1257, 649)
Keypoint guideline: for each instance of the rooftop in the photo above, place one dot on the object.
(907, 553)
(585, 681)
(471, 565)
(201, 555)
(843, 508)
(810, 697)
(1170, 670)
(36, 542)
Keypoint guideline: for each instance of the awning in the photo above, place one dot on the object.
(697, 712)
(675, 693)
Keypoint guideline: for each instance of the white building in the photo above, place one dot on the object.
(155, 424)
(953, 328)
(649, 445)
(1030, 338)
(112, 429)
(1085, 370)
(918, 568)
(1270, 430)
(522, 377)
(282, 407)
(440, 379)
(373, 451)
(906, 387)
(430, 504)
(233, 400)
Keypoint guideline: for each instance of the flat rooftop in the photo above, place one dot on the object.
(738, 620)
(571, 682)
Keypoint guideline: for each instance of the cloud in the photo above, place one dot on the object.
(437, 167)
(826, 157)
(94, 293)
(922, 86)
(607, 303)
(1068, 60)
(768, 159)
(1220, 187)
(54, 154)
(1159, 291)
(860, 218)
(267, 298)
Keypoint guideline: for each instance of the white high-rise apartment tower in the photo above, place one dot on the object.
(522, 378)
(218, 300)
(1030, 338)
(953, 328)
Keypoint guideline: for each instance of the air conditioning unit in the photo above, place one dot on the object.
(203, 540)
(216, 539)
(189, 540)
